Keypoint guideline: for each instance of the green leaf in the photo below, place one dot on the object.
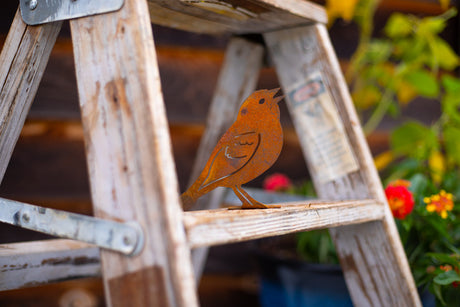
(430, 26)
(418, 184)
(398, 25)
(452, 144)
(378, 51)
(443, 258)
(439, 225)
(393, 109)
(413, 139)
(446, 278)
(451, 84)
(436, 289)
(450, 104)
(443, 55)
(424, 82)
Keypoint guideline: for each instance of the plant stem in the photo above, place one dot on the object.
(365, 19)
(378, 113)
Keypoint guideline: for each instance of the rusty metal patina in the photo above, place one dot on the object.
(249, 147)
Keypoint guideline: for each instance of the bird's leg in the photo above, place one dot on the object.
(248, 201)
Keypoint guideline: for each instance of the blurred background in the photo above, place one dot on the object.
(48, 166)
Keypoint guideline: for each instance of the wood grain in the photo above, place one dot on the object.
(129, 156)
(22, 62)
(371, 254)
(237, 80)
(221, 226)
(41, 262)
(258, 15)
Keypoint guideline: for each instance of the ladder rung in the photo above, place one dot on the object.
(41, 262)
(214, 227)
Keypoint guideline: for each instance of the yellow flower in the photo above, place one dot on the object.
(437, 165)
(340, 8)
(441, 203)
(444, 4)
(383, 159)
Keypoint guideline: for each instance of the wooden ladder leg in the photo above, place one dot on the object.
(23, 60)
(131, 169)
(372, 257)
(237, 80)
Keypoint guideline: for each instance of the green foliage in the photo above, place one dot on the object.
(387, 73)
(423, 82)
(411, 60)
(446, 278)
(413, 139)
(316, 247)
(431, 242)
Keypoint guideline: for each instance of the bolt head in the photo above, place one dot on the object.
(33, 4)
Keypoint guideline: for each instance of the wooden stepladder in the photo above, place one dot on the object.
(129, 153)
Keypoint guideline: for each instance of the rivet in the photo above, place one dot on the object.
(127, 240)
(33, 4)
(26, 217)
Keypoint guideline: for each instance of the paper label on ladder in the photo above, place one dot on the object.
(321, 130)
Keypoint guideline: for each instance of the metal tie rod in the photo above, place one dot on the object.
(126, 238)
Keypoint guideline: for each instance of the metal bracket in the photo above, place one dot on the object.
(126, 238)
(36, 12)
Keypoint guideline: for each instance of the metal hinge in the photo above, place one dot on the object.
(126, 238)
(36, 12)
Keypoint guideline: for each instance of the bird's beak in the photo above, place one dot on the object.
(274, 92)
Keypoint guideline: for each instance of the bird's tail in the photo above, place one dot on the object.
(188, 200)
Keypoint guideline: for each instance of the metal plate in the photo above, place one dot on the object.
(36, 12)
(126, 238)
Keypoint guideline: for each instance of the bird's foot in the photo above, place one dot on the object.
(248, 201)
(256, 205)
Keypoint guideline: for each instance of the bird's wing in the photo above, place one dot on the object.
(233, 155)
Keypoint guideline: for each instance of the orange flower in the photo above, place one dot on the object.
(276, 182)
(447, 268)
(441, 203)
(400, 198)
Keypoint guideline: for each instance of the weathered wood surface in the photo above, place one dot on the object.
(22, 63)
(221, 226)
(214, 17)
(371, 254)
(41, 262)
(130, 164)
(237, 80)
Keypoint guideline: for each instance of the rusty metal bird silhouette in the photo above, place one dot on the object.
(246, 150)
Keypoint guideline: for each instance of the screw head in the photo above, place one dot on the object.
(127, 240)
(25, 217)
(33, 4)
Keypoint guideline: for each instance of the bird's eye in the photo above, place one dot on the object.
(261, 101)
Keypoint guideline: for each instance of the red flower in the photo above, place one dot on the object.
(276, 182)
(399, 198)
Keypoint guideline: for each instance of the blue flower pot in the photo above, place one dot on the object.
(292, 283)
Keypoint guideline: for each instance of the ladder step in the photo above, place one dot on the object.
(221, 226)
(226, 17)
(40, 262)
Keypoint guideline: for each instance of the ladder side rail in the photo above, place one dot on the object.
(371, 254)
(132, 173)
(23, 61)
